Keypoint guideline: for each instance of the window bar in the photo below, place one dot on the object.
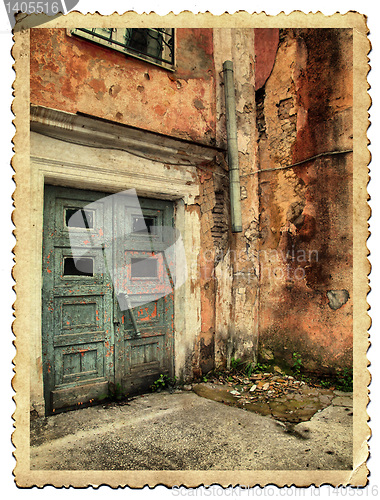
(169, 42)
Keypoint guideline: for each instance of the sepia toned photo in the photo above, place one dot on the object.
(191, 262)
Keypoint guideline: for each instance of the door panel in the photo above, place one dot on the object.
(77, 298)
(145, 323)
(107, 295)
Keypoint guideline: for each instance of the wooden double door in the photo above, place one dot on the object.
(107, 298)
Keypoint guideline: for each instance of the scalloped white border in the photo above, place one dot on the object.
(327, 8)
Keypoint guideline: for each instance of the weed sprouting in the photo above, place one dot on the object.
(345, 380)
(235, 363)
(163, 382)
(249, 368)
(297, 363)
(261, 367)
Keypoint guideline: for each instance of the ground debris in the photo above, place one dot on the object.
(276, 394)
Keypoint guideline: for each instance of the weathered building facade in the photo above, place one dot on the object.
(108, 118)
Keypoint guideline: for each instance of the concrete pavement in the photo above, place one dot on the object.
(182, 431)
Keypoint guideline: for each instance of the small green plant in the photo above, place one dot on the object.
(115, 392)
(159, 384)
(261, 368)
(235, 363)
(230, 379)
(249, 368)
(341, 380)
(345, 380)
(163, 382)
(325, 383)
(297, 363)
(204, 379)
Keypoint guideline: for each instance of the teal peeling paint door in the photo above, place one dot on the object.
(107, 327)
(144, 330)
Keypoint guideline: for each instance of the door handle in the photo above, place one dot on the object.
(126, 300)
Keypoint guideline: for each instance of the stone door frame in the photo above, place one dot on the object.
(56, 159)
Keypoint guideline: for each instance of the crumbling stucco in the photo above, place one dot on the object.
(237, 335)
(71, 74)
(284, 284)
(304, 110)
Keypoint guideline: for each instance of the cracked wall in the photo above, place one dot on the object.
(236, 301)
(214, 222)
(76, 75)
(71, 74)
(293, 101)
(303, 110)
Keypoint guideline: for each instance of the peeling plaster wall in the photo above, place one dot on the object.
(76, 75)
(303, 110)
(71, 74)
(236, 306)
(214, 219)
(294, 255)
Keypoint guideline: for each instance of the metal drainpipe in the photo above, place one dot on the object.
(232, 146)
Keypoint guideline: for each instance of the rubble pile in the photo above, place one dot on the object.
(261, 386)
(277, 394)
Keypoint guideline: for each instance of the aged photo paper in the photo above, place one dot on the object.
(191, 265)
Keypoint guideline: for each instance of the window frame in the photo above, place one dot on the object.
(103, 41)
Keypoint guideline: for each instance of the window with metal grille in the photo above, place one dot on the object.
(155, 45)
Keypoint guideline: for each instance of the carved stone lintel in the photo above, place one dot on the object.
(94, 132)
